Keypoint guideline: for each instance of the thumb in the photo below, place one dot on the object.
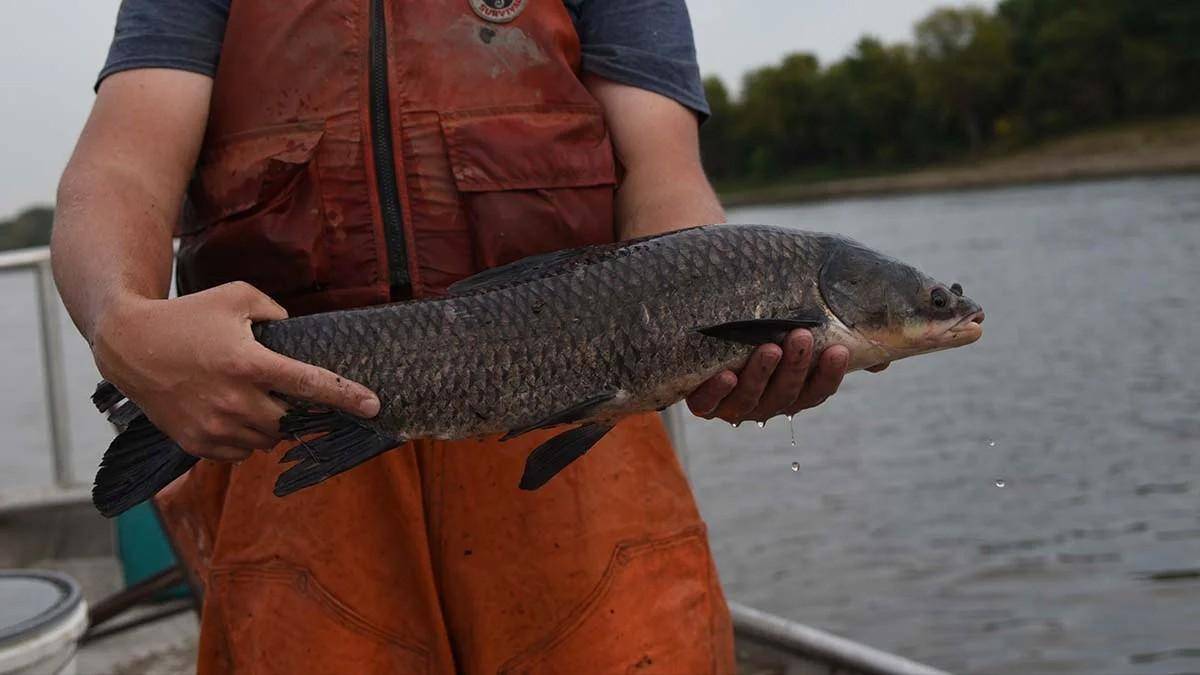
(257, 306)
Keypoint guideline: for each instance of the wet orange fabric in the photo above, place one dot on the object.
(427, 559)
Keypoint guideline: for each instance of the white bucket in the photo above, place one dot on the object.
(42, 616)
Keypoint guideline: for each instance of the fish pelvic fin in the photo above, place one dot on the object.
(556, 454)
(344, 443)
(574, 413)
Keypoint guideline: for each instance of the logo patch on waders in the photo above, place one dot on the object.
(498, 11)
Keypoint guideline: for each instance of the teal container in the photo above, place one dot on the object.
(144, 548)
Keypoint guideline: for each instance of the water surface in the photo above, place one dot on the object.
(1082, 399)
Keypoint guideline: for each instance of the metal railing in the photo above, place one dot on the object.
(815, 647)
(65, 486)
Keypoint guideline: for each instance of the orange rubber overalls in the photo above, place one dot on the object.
(427, 559)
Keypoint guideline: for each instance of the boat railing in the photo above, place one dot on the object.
(63, 486)
(816, 651)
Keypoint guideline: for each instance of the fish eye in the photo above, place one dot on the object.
(939, 298)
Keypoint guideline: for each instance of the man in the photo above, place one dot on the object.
(349, 152)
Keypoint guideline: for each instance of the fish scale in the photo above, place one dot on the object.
(520, 352)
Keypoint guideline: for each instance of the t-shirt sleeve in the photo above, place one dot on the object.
(179, 34)
(642, 43)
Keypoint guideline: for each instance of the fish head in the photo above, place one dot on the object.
(894, 306)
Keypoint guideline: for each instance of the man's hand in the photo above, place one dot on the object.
(195, 369)
(773, 382)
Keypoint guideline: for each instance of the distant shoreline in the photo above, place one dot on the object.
(1144, 149)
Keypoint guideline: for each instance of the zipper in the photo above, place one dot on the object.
(382, 151)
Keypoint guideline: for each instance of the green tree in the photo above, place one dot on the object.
(779, 114)
(964, 67)
(1033, 67)
(869, 106)
(719, 145)
(29, 228)
(1084, 62)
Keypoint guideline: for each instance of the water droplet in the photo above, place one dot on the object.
(761, 424)
(790, 417)
(735, 424)
(795, 466)
(792, 428)
(1000, 482)
(991, 444)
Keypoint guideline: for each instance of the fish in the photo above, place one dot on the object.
(581, 337)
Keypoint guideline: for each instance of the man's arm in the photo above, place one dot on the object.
(191, 363)
(664, 188)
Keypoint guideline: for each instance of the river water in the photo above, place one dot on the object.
(1082, 401)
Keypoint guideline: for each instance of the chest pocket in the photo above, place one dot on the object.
(256, 213)
(531, 179)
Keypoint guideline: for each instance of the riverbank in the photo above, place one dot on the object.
(1160, 147)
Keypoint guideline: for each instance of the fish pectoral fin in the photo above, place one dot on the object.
(344, 444)
(551, 457)
(575, 413)
(760, 331)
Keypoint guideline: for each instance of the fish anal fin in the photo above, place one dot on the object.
(556, 454)
(574, 413)
(760, 331)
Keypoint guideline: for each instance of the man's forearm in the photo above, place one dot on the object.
(656, 140)
(650, 201)
(121, 192)
(111, 242)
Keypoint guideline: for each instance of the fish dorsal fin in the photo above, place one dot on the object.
(544, 265)
(525, 269)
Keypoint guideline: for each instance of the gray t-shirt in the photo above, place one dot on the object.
(642, 43)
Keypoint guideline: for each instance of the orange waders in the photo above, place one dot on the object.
(364, 150)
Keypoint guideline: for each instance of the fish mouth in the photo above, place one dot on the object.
(969, 329)
(976, 318)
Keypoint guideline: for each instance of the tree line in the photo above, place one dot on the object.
(29, 228)
(970, 79)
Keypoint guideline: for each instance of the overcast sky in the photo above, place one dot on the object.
(50, 53)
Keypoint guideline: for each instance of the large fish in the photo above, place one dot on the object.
(581, 337)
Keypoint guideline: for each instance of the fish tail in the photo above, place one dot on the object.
(139, 462)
